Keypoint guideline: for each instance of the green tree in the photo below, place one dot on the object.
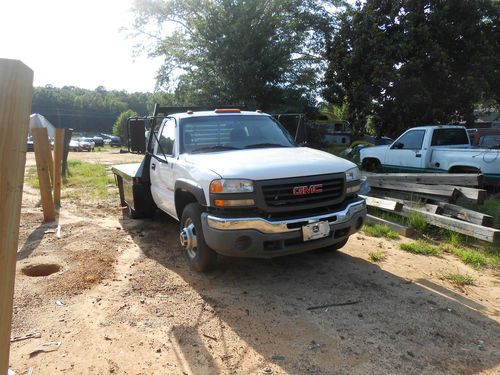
(120, 125)
(414, 62)
(256, 53)
(90, 111)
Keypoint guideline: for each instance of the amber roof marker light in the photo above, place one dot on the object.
(227, 110)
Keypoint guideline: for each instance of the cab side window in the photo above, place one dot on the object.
(167, 139)
(412, 140)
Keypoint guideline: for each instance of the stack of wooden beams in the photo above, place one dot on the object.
(434, 196)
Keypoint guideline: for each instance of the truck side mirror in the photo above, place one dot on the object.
(137, 135)
(398, 146)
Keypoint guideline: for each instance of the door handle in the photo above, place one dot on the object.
(153, 166)
(418, 155)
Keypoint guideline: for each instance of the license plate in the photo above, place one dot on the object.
(314, 231)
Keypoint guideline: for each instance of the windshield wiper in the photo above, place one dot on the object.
(263, 145)
(214, 148)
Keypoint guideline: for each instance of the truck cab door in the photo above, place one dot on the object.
(406, 153)
(162, 168)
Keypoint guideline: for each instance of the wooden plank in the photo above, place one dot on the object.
(16, 92)
(472, 194)
(456, 225)
(58, 155)
(387, 204)
(458, 179)
(398, 228)
(50, 160)
(476, 195)
(467, 215)
(41, 145)
(68, 133)
(441, 190)
(408, 195)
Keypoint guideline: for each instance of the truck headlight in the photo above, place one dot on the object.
(353, 180)
(231, 186)
(352, 174)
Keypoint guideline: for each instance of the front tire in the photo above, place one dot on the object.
(201, 257)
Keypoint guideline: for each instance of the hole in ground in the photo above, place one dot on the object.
(37, 270)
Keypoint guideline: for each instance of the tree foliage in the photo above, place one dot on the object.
(256, 53)
(91, 111)
(409, 62)
(120, 125)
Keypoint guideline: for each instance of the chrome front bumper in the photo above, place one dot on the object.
(283, 226)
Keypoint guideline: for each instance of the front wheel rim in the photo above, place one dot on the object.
(188, 238)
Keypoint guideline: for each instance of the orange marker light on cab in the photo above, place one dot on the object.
(227, 110)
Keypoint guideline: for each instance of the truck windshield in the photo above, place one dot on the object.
(232, 132)
(449, 137)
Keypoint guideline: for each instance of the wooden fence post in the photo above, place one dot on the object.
(42, 150)
(58, 155)
(16, 91)
(68, 133)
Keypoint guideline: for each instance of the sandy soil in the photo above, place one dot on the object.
(125, 302)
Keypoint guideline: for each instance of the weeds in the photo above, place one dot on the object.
(84, 180)
(417, 221)
(377, 256)
(459, 279)
(420, 247)
(477, 258)
(378, 230)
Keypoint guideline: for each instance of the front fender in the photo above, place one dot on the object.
(191, 187)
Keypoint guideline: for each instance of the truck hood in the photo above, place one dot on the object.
(270, 163)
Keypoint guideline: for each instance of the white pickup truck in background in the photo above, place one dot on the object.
(443, 148)
(240, 186)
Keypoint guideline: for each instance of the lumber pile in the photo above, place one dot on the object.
(436, 197)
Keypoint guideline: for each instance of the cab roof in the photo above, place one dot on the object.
(189, 114)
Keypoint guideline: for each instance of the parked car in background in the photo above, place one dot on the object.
(29, 144)
(112, 140)
(81, 144)
(439, 148)
(485, 138)
(86, 144)
(74, 145)
(98, 141)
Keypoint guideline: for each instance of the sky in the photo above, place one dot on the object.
(75, 43)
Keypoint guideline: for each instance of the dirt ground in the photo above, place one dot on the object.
(124, 301)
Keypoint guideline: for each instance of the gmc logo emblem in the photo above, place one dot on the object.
(312, 189)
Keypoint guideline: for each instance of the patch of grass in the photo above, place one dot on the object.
(459, 279)
(378, 230)
(417, 221)
(485, 256)
(420, 247)
(455, 239)
(31, 178)
(377, 256)
(87, 180)
(84, 180)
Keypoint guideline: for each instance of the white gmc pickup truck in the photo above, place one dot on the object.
(240, 186)
(443, 148)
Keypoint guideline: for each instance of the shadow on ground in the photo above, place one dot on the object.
(397, 327)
